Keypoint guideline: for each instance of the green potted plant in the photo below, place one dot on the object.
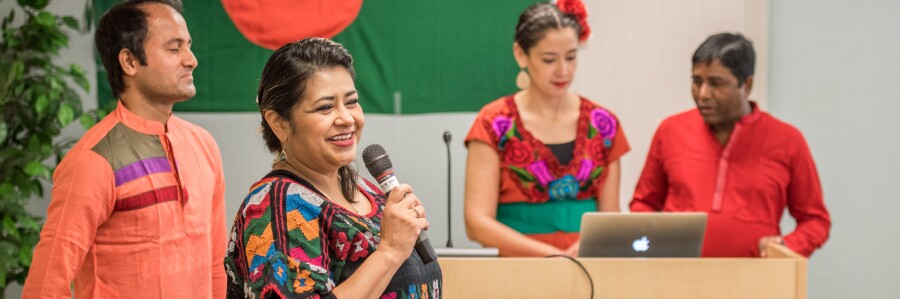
(36, 103)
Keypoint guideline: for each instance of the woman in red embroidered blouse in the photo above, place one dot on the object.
(540, 158)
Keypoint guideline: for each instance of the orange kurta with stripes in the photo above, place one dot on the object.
(137, 211)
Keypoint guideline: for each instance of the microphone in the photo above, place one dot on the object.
(380, 167)
(447, 138)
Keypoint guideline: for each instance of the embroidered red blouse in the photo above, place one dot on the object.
(531, 174)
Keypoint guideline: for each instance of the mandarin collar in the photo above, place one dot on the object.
(751, 117)
(140, 124)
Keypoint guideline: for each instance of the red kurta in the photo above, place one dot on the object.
(744, 185)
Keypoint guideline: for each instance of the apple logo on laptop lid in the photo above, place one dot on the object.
(641, 244)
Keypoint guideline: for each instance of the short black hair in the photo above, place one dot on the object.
(732, 50)
(124, 26)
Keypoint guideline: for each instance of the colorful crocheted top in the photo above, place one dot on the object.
(540, 197)
(290, 241)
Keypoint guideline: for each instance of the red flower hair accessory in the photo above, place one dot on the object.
(577, 9)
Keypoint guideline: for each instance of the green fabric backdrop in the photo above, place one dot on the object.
(439, 56)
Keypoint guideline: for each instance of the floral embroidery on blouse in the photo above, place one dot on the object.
(534, 164)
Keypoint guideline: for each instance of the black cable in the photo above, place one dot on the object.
(583, 269)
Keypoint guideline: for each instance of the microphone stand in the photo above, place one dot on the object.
(447, 138)
(458, 252)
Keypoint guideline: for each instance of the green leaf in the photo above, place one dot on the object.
(10, 227)
(40, 4)
(19, 89)
(18, 70)
(56, 84)
(7, 190)
(523, 174)
(28, 222)
(512, 131)
(3, 278)
(30, 91)
(82, 81)
(76, 70)
(35, 168)
(59, 40)
(37, 4)
(40, 106)
(34, 143)
(71, 22)
(4, 131)
(66, 114)
(23, 184)
(597, 171)
(87, 121)
(592, 132)
(46, 149)
(88, 16)
(45, 19)
(37, 187)
(25, 256)
(14, 41)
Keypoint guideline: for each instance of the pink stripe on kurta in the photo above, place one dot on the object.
(146, 183)
(142, 168)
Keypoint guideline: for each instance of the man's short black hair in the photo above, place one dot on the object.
(124, 26)
(732, 50)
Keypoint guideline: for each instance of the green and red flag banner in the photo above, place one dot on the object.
(273, 23)
(410, 56)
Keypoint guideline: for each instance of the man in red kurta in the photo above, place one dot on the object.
(733, 161)
(137, 209)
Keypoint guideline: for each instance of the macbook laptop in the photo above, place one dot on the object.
(642, 234)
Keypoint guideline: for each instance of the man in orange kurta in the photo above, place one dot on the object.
(137, 208)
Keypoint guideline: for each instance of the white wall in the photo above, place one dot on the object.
(828, 59)
(833, 69)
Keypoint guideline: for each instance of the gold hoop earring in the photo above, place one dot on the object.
(523, 80)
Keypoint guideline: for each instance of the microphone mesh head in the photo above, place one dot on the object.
(377, 160)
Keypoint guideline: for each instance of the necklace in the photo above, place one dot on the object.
(324, 192)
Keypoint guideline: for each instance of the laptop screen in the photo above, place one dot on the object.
(642, 234)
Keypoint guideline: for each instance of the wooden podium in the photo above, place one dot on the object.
(781, 275)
